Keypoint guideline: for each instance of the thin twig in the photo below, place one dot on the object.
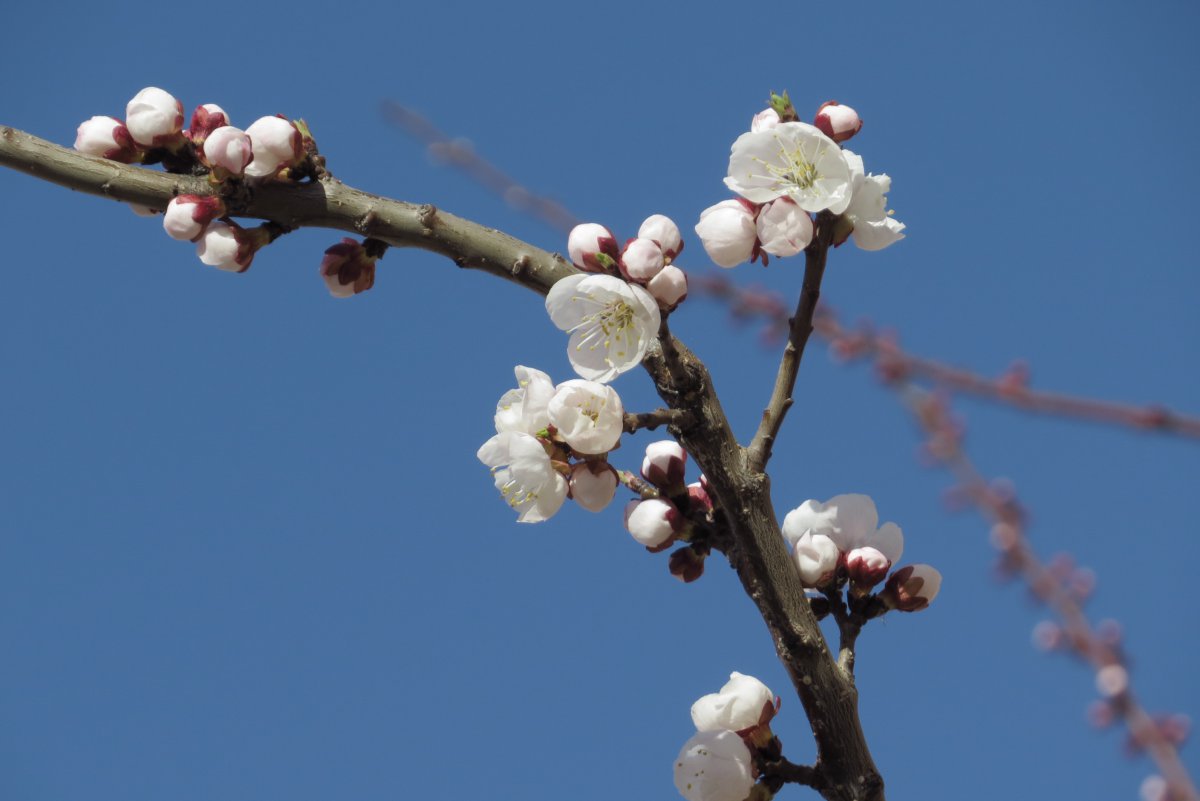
(679, 418)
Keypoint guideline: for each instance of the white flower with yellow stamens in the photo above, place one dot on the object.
(611, 323)
(793, 160)
(524, 474)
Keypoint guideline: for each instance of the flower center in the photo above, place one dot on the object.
(605, 325)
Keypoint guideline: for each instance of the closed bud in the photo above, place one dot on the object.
(592, 247)
(742, 704)
(866, 567)
(277, 145)
(816, 556)
(641, 260)
(700, 498)
(347, 269)
(665, 464)
(155, 118)
(228, 246)
(206, 119)
(108, 138)
(593, 485)
(228, 151)
(727, 232)
(187, 216)
(714, 766)
(665, 233)
(764, 120)
(669, 287)
(687, 563)
(653, 522)
(911, 588)
(836, 121)
(784, 229)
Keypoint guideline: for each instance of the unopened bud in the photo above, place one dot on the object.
(653, 522)
(228, 151)
(727, 232)
(206, 119)
(277, 145)
(687, 563)
(155, 118)
(228, 246)
(593, 484)
(1112, 680)
(641, 260)
(784, 229)
(665, 233)
(187, 216)
(836, 121)
(347, 269)
(665, 464)
(816, 556)
(669, 287)
(764, 120)
(912, 588)
(866, 567)
(108, 138)
(592, 247)
(700, 498)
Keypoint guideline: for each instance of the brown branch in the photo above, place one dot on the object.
(801, 326)
(757, 552)
(679, 418)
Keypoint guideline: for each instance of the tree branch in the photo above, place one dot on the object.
(757, 552)
(659, 417)
(759, 450)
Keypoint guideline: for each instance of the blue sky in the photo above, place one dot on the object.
(246, 551)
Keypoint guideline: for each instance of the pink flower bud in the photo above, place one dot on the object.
(653, 522)
(669, 287)
(1112, 680)
(700, 498)
(817, 559)
(188, 215)
(664, 464)
(205, 120)
(866, 567)
(154, 118)
(228, 150)
(592, 247)
(687, 564)
(228, 246)
(277, 145)
(641, 261)
(347, 269)
(784, 229)
(108, 138)
(665, 233)
(911, 588)
(593, 485)
(764, 120)
(836, 121)
(727, 232)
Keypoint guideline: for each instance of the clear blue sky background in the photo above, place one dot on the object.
(246, 551)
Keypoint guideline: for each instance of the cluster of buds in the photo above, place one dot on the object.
(646, 260)
(552, 442)
(840, 541)
(733, 736)
(677, 511)
(271, 148)
(785, 171)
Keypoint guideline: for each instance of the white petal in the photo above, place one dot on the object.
(889, 541)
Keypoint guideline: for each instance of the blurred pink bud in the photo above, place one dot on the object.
(154, 118)
(866, 567)
(653, 522)
(228, 150)
(206, 119)
(665, 233)
(593, 485)
(1112, 680)
(664, 464)
(1155, 788)
(727, 232)
(347, 269)
(227, 246)
(784, 229)
(836, 121)
(1101, 714)
(108, 138)
(187, 216)
(641, 261)
(277, 145)
(669, 287)
(1047, 636)
(912, 588)
(592, 247)
(764, 120)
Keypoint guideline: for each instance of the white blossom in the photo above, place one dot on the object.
(794, 160)
(523, 409)
(714, 766)
(524, 474)
(850, 521)
(874, 226)
(277, 144)
(611, 323)
(784, 229)
(154, 117)
(727, 232)
(816, 558)
(741, 704)
(588, 415)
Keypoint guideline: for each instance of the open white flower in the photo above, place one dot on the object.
(850, 521)
(874, 227)
(714, 766)
(524, 409)
(524, 475)
(794, 160)
(588, 415)
(739, 705)
(611, 323)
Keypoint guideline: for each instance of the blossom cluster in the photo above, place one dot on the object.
(732, 727)
(674, 511)
(785, 171)
(271, 148)
(841, 541)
